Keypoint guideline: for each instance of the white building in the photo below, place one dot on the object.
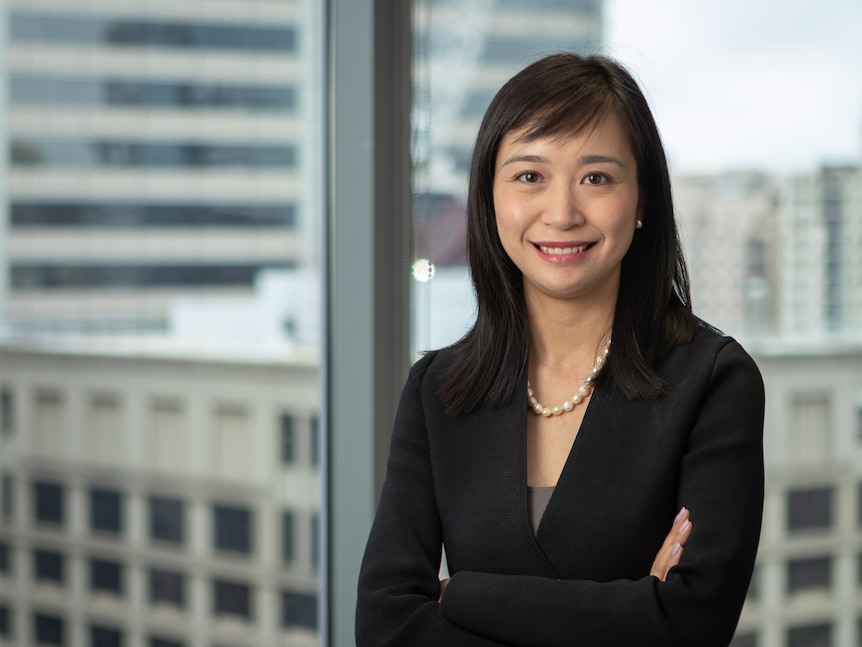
(807, 590)
(152, 498)
(820, 254)
(728, 229)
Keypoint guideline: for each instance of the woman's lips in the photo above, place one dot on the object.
(559, 253)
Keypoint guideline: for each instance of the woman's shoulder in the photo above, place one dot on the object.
(433, 363)
(710, 346)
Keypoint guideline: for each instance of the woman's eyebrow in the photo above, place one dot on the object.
(585, 159)
(533, 159)
(599, 159)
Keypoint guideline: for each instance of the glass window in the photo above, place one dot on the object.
(58, 90)
(744, 640)
(106, 576)
(167, 520)
(105, 637)
(48, 566)
(56, 29)
(298, 610)
(167, 587)
(48, 629)
(74, 153)
(165, 642)
(232, 529)
(288, 542)
(817, 635)
(48, 500)
(809, 573)
(4, 558)
(809, 509)
(166, 188)
(232, 599)
(7, 413)
(5, 629)
(106, 511)
(7, 497)
(315, 540)
(152, 214)
(315, 440)
(288, 440)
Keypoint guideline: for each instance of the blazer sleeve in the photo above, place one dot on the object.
(399, 578)
(721, 482)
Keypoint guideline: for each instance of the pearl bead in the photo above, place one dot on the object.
(576, 399)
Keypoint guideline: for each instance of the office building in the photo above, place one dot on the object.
(158, 497)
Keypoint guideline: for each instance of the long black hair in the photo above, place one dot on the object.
(557, 95)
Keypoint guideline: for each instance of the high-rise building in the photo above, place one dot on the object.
(727, 226)
(156, 150)
(820, 259)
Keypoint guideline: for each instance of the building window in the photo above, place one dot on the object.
(167, 587)
(232, 529)
(744, 640)
(105, 637)
(809, 509)
(298, 610)
(164, 642)
(106, 511)
(4, 558)
(809, 574)
(106, 576)
(35, 27)
(819, 635)
(7, 497)
(48, 630)
(315, 540)
(288, 439)
(7, 415)
(809, 435)
(48, 566)
(48, 502)
(288, 544)
(60, 90)
(104, 430)
(232, 599)
(167, 520)
(315, 441)
(5, 630)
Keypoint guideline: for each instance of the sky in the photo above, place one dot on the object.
(771, 85)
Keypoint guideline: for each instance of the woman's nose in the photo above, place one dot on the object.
(563, 209)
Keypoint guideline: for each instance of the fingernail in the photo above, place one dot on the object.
(679, 514)
(676, 550)
(684, 526)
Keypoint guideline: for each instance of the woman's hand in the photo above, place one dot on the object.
(443, 584)
(671, 550)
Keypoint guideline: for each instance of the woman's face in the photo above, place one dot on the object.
(566, 208)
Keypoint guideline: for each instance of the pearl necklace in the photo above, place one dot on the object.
(541, 410)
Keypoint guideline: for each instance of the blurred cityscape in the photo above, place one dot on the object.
(160, 310)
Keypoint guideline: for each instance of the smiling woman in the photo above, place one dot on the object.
(631, 513)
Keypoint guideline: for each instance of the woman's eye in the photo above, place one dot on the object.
(530, 177)
(595, 178)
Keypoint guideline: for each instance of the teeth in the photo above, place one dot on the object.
(562, 250)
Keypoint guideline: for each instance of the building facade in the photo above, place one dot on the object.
(155, 150)
(158, 499)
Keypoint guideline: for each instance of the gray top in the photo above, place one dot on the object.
(537, 501)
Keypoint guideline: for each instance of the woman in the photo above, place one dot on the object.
(590, 453)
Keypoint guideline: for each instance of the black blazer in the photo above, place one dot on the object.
(583, 578)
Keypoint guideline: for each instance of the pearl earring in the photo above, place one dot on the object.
(639, 223)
